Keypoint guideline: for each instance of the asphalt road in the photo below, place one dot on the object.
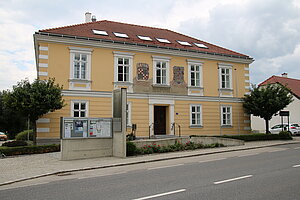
(267, 173)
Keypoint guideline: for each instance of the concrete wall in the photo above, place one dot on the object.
(212, 140)
(184, 140)
(72, 149)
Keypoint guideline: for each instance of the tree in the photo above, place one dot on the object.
(11, 121)
(34, 99)
(267, 100)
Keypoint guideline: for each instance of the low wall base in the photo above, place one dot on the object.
(72, 149)
(185, 139)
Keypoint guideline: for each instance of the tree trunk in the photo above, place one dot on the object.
(34, 131)
(267, 126)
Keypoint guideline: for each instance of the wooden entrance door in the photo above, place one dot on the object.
(160, 120)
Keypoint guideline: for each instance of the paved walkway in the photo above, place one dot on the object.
(20, 168)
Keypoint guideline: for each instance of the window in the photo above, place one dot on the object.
(144, 38)
(226, 116)
(201, 45)
(195, 115)
(225, 73)
(121, 35)
(80, 63)
(163, 40)
(98, 32)
(195, 70)
(79, 109)
(184, 43)
(80, 66)
(123, 67)
(161, 70)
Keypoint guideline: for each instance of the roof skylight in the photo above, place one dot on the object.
(201, 45)
(184, 43)
(144, 38)
(122, 35)
(163, 40)
(98, 32)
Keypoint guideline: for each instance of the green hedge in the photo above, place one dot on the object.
(10, 151)
(23, 136)
(14, 143)
(260, 136)
(132, 149)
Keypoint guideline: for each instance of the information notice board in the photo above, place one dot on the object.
(86, 127)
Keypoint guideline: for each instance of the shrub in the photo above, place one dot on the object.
(285, 135)
(130, 149)
(14, 144)
(23, 136)
(9, 151)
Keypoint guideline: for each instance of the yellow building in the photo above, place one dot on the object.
(172, 80)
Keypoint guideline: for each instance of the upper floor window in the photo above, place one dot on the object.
(123, 67)
(80, 59)
(195, 115)
(226, 115)
(80, 66)
(225, 73)
(79, 108)
(195, 74)
(161, 70)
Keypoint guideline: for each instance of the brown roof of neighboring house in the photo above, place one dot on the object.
(292, 84)
(86, 30)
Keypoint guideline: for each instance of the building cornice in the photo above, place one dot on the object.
(92, 42)
(76, 93)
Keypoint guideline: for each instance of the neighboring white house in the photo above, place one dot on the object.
(258, 124)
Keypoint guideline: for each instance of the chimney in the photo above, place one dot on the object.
(284, 75)
(88, 17)
(94, 18)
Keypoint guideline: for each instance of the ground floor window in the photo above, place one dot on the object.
(195, 115)
(79, 108)
(226, 113)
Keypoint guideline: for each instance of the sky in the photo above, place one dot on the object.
(266, 30)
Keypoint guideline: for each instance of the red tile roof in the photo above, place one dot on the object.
(85, 30)
(292, 84)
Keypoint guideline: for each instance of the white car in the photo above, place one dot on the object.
(294, 128)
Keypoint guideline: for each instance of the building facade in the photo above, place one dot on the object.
(172, 80)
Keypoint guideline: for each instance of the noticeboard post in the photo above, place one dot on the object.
(282, 114)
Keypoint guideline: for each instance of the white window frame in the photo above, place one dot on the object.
(191, 114)
(84, 51)
(167, 61)
(123, 55)
(195, 63)
(128, 111)
(226, 113)
(80, 101)
(229, 67)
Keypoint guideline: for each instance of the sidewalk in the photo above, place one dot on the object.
(26, 167)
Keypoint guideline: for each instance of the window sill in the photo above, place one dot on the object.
(161, 85)
(226, 89)
(195, 87)
(196, 126)
(80, 80)
(226, 126)
(123, 83)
